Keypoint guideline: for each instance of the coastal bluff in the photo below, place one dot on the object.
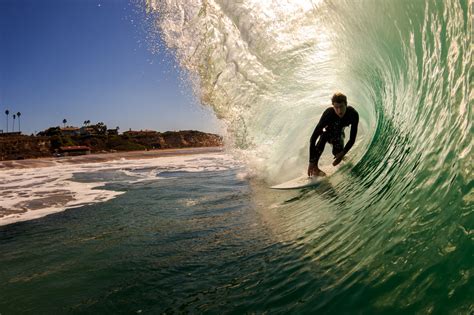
(17, 146)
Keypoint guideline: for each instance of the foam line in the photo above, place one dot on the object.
(32, 193)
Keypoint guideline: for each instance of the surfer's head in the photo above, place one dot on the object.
(339, 102)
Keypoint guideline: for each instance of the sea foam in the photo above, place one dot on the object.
(36, 192)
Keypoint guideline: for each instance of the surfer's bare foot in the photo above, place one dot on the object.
(313, 170)
(319, 173)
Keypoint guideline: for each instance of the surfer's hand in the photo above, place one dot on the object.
(338, 158)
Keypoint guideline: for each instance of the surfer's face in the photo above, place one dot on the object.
(340, 108)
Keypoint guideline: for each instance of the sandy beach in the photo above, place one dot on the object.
(104, 157)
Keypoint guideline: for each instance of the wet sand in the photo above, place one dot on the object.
(104, 157)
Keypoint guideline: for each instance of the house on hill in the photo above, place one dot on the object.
(87, 131)
(70, 131)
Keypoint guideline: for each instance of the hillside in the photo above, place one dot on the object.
(13, 147)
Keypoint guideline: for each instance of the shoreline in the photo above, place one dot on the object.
(104, 157)
(35, 188)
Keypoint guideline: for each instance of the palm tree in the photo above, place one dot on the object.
(19, 126)
(7, 112)
(64, 122)
(13, 128)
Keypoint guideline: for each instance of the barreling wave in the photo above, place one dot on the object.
(404, 200)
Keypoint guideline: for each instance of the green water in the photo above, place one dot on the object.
(399, 215)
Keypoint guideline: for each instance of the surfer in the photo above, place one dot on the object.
(330, 130)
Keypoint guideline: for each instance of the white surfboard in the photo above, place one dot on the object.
(300, 182)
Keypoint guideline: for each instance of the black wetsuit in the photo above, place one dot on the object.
(330, 129)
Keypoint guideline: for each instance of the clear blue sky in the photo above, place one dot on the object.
(89, 60)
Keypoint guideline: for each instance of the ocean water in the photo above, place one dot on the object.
(390, 232)
(133, 230)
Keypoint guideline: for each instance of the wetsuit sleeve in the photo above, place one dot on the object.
(318, 131)
(353, 135)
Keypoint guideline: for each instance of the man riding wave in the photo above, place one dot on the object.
(330, 129)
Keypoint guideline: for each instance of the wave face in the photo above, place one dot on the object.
(396, 221)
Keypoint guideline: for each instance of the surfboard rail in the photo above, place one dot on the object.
(300, 182)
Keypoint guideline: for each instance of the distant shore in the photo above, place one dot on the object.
(104, 157)
(73, 141)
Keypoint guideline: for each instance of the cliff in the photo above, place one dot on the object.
(14, 147)
(24, 147)
(171, 139)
